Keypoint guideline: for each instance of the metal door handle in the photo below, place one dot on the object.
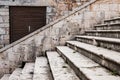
(29, 28)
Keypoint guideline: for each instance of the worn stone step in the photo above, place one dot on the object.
(114, 20)
(109, 43)
(84, 67)
(16, 74)
(104, 33)
(59, 69)
(105, 57)
(111, 26)
(5, 77)
(27, 72)
(41, 71)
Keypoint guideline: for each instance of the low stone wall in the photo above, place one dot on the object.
(57, 32)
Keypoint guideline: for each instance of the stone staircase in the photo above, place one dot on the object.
(93, 56)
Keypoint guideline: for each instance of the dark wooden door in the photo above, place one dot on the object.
(24, 20)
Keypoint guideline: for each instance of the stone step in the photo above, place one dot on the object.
(16, 74)
(104, 33)
(109, 43)
(111, 26)
(107, 58)
(27, 72)
(59, 69)
(41, 71)
(84, 67)
(5, 77)
(114, 20)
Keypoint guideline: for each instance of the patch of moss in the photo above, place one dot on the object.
(114, 73)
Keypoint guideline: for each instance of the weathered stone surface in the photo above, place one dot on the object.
(16, 74)
(4, 67)
(60, 70)
(27, 72)
(110, 43)
(41, 71)
(104, 33)
(105, 57)
(1, 19)
(5, 77)
(59, 31)
(84, 67)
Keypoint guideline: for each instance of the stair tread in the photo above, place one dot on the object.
(41, 71)
(99, 25)
(60, 70)
(5, 77)
(27, 72)
(16, 74)
(110, 24)
(115, 40)
(102, 31)
(88, 67)
(116, 18)
(109, 54)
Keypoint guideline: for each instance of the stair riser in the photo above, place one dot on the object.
(74, 67)
(112, 27)
(111, 21)
(113, 66)
(104, 34)
(100, 43)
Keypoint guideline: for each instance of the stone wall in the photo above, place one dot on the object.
(4, 15)
(55, 10)
(64, 7)
(4, 26)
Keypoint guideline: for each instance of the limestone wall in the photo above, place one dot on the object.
(4, 15)
(4, 26)
(57, 32)
(55, 9)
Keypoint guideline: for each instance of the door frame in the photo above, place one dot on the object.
(10, 20)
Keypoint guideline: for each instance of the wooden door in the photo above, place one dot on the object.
(24, 20)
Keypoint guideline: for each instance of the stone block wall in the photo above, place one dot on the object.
(4, 15)
(55, 10)
(4, 26)
(64, 7)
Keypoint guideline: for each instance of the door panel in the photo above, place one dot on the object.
(24, 20)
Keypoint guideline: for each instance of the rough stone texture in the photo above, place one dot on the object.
(58, 32)
(105, 57)
(55, 9)
(104, 33)
(16, 74)
(109, 43)
(84, 67)
(5, 77)
(41, 70)
(4, 26)
(27, 72)
(59, 69)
